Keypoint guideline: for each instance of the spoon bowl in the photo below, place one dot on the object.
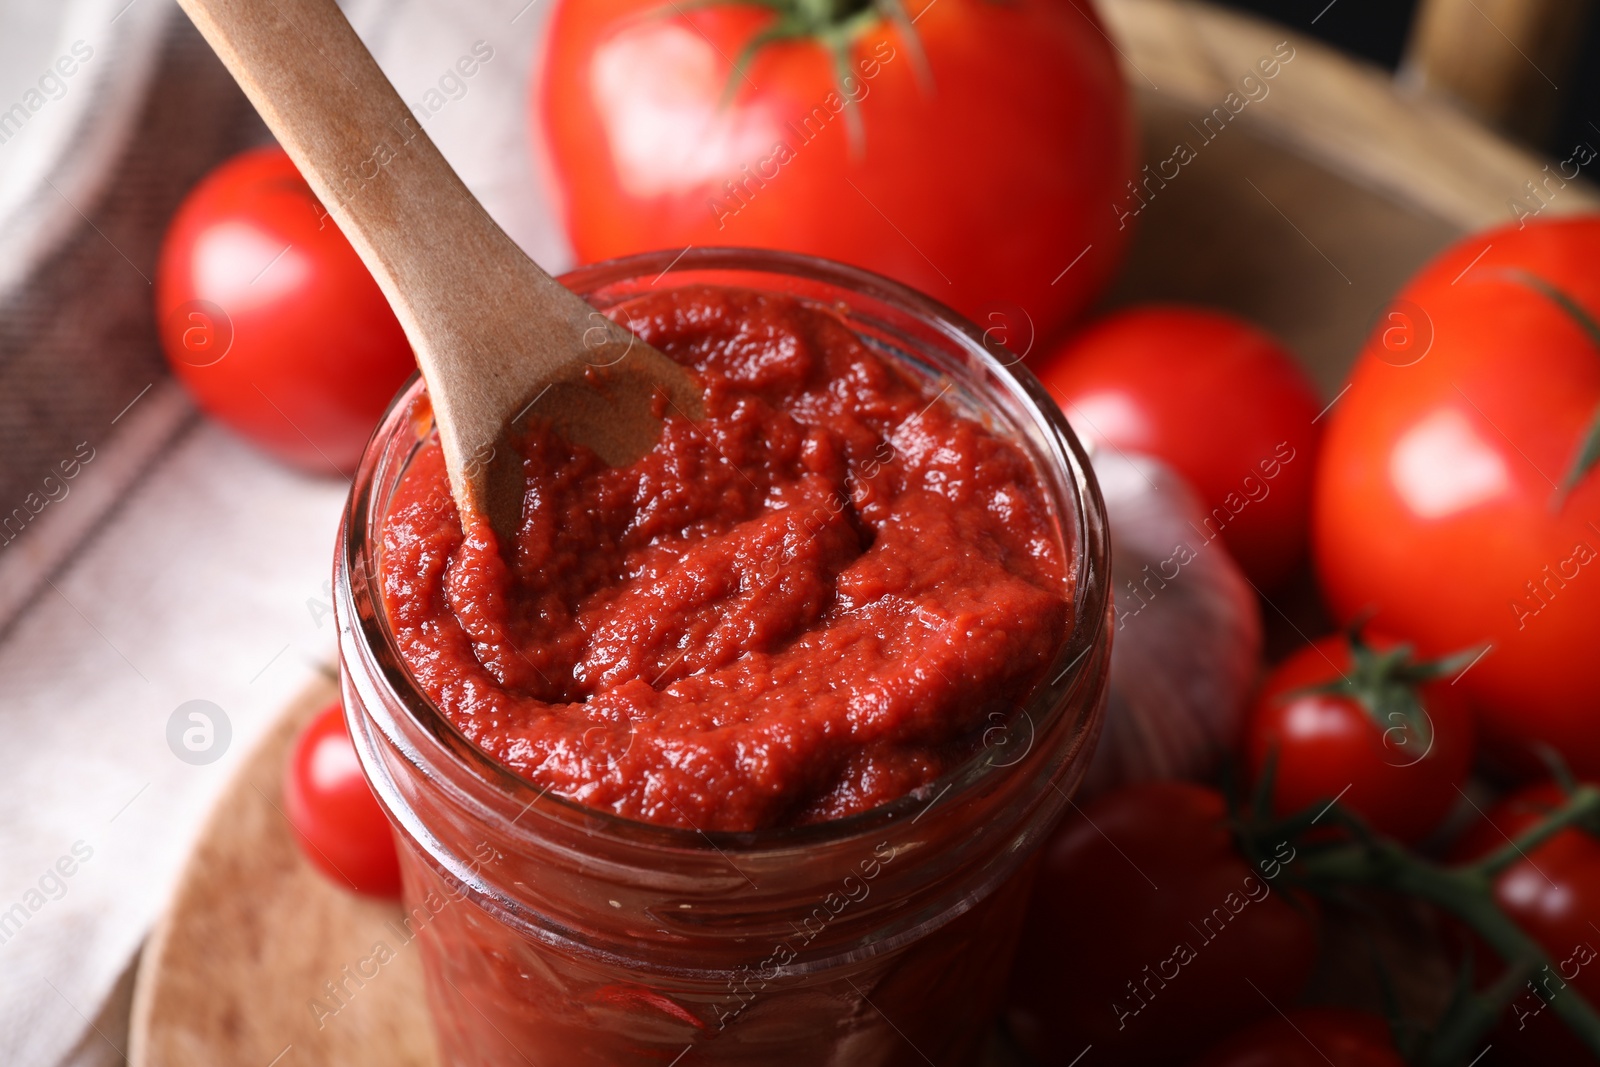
(497, 338)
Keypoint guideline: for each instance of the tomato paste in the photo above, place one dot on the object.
(811, 602)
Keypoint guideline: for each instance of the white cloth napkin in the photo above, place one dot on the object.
(181, 565)
(72, 75)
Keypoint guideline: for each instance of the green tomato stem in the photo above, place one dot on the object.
(1588, 451)
(1582, 805)
(832, 12)
(1459, 1037)
(1466, 892)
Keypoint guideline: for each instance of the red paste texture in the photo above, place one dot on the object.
(812, 602)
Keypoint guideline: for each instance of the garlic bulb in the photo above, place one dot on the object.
(1186, 644)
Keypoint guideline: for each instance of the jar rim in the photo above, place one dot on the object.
(1071, 664)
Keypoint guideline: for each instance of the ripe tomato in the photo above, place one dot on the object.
(1385, 734)
(1147, 928)
(1452, 495)
(331, 809)
(975, 155)
(1554, 895)
(1219, 400)
(271, 320)
(1309, 1037)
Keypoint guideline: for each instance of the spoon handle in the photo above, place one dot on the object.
(492, 331)
(380, 176)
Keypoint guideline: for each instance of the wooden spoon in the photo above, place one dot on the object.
(496, 337)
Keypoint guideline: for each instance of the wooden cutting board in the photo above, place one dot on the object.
(1305, 214)
(235, 972)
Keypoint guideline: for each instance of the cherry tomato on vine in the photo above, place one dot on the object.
(976, 151)
(335, 818)
(1553, 893)
(1457, 495)
(271, 320)
(1218, 399)
(1309, 1037)
(1363, 720)
(1147, 927)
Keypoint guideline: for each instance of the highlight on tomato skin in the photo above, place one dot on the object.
(851, 136)
(1217, 398)
(337, 822)
(270, 319)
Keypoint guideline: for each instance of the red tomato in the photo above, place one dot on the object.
(1554, 895)
(1147, 928)
(1310, 1037)
(331, 809)
(1220, 401)
(1451, 495)
(976, 155)
(271, 320)
(1386, 735)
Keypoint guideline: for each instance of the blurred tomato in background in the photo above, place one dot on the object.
(1553, 893)
(1217, 398)
(341, 829)
(1148, 927)
(973, 152)
(271, 320)
(1457, 496)
(1310, 1037)
(1359, 718)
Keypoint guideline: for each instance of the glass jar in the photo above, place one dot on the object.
(555, 934)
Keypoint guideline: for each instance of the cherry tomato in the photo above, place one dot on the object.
(1309, 1037)
(1456, 495)
(1554, 895)
(1219, 400)
(975, 155)
(1147, 928)
(271, 320)
(1364, 721)
(331, 809)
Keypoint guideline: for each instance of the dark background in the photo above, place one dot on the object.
(1376, 30)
